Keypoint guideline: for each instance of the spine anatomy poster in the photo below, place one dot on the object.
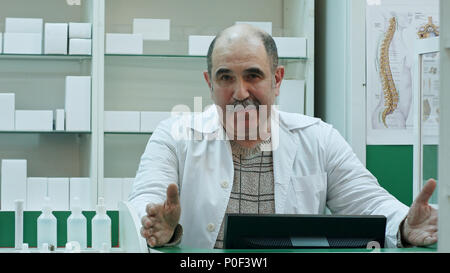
(392, 26)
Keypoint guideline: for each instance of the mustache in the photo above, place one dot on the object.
(245, 103)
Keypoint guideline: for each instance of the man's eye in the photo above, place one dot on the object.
(252, 76)
(225, 77)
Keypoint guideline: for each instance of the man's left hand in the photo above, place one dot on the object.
(420, 226)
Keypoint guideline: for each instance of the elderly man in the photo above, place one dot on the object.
(279, 163)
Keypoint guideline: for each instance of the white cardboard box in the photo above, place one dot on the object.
(22, 43)
(59, 120)
(7, 111)
(80, 30)
(199, 44)
(78, 103)
(122, 121)
(122, 43)
(80, 47)
(58, 191)
(13, 182)
(80, 187)
(34, 120)
(1, 42)
(36, 192)
(24, 25)
(127, 187)
(291, 47)
(150, 120)
(112, 192)
(152, 29)
(266, 26)
(55, 39)
(292, 96)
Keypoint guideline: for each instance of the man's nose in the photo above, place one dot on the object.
(241, 90)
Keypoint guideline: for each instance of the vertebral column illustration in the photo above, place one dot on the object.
(389, 89)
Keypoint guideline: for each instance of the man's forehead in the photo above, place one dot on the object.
(240, 49)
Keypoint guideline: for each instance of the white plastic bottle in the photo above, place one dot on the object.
(46, 226)
(101, 227)
(77, 225)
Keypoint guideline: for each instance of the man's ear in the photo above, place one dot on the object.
(279, 75)
(207, 79)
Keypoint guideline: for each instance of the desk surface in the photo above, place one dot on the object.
(382, 250)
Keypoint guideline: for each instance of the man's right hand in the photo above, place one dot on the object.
(161, 220)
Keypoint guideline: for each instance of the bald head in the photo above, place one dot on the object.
(243, 33)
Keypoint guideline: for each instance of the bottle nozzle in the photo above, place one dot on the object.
(101, 205)
(76, 208)
(47, 208)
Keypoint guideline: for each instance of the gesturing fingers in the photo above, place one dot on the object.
(146, 222)
(431, 239)
(172, 195)
(426, 192)
(152, 210)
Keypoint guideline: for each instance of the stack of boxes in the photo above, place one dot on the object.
(288, 47)
(80, 42)
(55, 38)
(143, 30)
(133, 121)
(16, 185)
(7, 111)
(23, 36)
(76, 117)
(78, 103)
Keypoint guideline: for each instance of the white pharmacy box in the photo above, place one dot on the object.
(80, 30)
(24, 25)
(127, 187)
(58, 191)
(199, 44)
(80, 47)
(112, 192)
(78, 103)
(34, 120)
(55, 38)
(122, 121)
(36, 192)
(294, 47)
(150, 120)
(13, 182)
(266, 26)
(152, 29)
(123, 43)
(292, 96)
(59, 120)
(80, 187)
(22, 43)
(7, 111)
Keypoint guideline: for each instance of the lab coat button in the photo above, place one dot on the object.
(224, 184)
(211, 227)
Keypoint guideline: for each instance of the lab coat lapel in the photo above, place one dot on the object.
(285, 146)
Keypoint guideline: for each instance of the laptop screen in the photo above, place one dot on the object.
(244, 231)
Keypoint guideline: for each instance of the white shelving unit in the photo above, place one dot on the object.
(164, 76)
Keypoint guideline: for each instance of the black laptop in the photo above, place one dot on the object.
(286, 231)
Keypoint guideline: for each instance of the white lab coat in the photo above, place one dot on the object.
(314, 168)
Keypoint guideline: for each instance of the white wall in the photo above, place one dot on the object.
(340, 69)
